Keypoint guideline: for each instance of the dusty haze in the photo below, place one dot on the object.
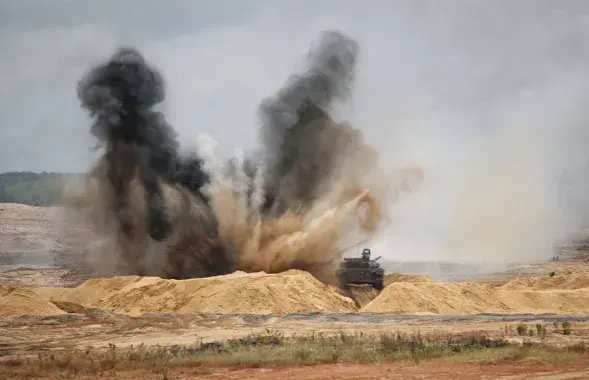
(159, 212)
(498, 122)
(488, 98)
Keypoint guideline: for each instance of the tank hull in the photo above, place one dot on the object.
(361, 276)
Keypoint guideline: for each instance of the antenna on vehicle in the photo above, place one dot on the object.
(358, 243)
(352, 246)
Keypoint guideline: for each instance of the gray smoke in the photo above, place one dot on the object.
(297, 132)
(302, 148)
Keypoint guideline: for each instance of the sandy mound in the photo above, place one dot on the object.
(362, 294)
(564, 281)
(433, 298)
(398, 277)
(255, 293)
(53, 294)
(556, 301)
(473, 298)
(70, 307)
(22, 301)
(299, 292)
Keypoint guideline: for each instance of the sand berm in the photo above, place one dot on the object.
(299, 292)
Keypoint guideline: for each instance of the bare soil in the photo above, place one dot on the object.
(36, 249)
(430, 371)
(29, 334)
(391, 371)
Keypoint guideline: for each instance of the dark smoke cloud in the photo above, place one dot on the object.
(120, 94)
(295, 122)
(301, 147)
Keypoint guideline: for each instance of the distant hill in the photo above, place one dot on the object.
(35, 189)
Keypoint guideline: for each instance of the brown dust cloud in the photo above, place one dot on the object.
(311, 184)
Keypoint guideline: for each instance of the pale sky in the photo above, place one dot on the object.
(448, 66)
(489, 97)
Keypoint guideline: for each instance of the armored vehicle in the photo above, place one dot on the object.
(361, 270)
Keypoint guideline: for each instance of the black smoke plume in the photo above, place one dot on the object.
(296, 126)
(151, 196)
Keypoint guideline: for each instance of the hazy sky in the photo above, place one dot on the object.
(489, 97)
(448, 66)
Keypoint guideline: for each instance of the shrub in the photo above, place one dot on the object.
(522, 329)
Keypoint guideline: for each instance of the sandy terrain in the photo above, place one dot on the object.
(37, 248)
(376, 372)
(299, 292)
(26, 334)
(47, 304)
(30, 335)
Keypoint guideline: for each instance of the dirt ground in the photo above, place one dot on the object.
(431, 371)
(36, 250)
(22, 336)
(27, 335)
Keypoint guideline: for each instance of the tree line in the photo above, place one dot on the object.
(35, 189)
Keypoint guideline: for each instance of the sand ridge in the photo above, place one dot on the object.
(364, 294)
(475, 298)
(400, 277)
(570, 280)
(22, 301)
(52, 293)
(299, 292)
(255, 293)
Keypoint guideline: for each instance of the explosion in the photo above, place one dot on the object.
(158, 212)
